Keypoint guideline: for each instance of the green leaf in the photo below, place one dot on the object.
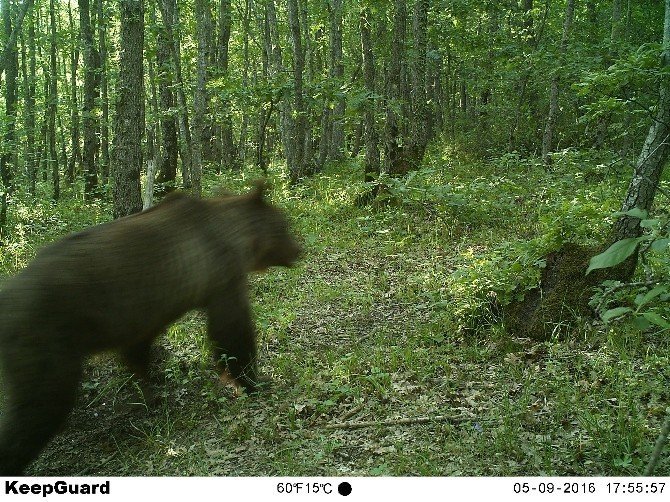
(615, 254)
(641, 323)
(636, 212)
(615, 312)
(649, 223)
(650, 295)
(660, 245)
(656, 319)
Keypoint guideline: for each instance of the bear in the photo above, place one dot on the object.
(116, 287)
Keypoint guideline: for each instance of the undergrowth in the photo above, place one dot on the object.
(394, 313)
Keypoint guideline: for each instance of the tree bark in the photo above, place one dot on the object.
(129, 119)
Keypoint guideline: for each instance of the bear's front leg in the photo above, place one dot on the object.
(231, 330)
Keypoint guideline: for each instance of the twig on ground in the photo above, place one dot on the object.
(350, 413)
(399, 421)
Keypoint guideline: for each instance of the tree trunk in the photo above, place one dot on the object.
(12, 37)
(75, 157)
(654, 154)
(286, 121)
(168, 126)
(309, 58)
(199, 99)
(29, 77)
(103, 159)
(152, 153)
(228, 159)
(91, 94)
(242, 145)
(154, 136)
(296, 162)
(395, 162)
(419, 133)
(53, 103)
(11, 63)
(372, 160)
(129, 119)
(170, 20)
(547, 140)
(337, 75)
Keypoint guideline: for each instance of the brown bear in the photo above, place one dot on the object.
(117, 286)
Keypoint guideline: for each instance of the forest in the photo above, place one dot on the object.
(479, 193)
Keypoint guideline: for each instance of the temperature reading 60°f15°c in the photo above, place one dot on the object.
(300, 487)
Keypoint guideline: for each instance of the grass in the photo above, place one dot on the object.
(392, 314)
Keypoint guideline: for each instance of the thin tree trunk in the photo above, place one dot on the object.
(170, 20)
(286, 121)
(170, 148)
(297, 162)
(103, 159)
(310, 65)
(129, 119)
(53, 103)
(419, 132)
(154, 136)
(395, 162)
(372, 160)
(337, 74)
(75, 158)
(152, 153)
(246, 24)
(199, 99)
(12, 36)
(29, 70)
(264, 114)
(11, 64)
(548, 138)
(228, 159)
(91, 94)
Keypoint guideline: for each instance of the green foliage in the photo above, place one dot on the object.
(644, 302)
(615, 254)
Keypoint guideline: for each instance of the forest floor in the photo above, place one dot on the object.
(391, 319)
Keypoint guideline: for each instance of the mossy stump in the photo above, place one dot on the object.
(564, 292)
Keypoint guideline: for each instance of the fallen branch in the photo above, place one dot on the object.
(347, 415)
(399, 421)
(658, 448)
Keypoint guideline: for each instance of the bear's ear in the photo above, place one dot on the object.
(257, 194)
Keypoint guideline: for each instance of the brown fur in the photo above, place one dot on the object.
(117, 286)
